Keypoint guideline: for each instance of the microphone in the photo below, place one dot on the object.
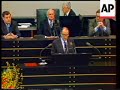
(56, 27)
(89, 44)
(43, 61)
(72, 49)
(56, 23)
(49, 45)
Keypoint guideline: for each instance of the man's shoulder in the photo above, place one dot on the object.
(70, 39)
(14, 22)
(44, 21)
(72, 13)
(56, 40)
(92, 20)
(107, 20)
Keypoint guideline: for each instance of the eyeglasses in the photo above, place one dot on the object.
(51, 14)
(65, 34)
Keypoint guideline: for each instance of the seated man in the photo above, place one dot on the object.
(67, 11)
(64, 44)
(9, 26)
(48, 26)
(99, 26)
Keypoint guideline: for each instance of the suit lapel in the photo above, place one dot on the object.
(60, 45)
(69, 43)
(5, 29)
(70, 12)
(47, 26)
(95, 24)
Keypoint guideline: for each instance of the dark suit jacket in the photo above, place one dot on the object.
(93, 24)
(57, 46)
(46, 30)
(71, 13)
(14, 28)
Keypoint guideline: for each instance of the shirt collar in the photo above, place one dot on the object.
(8, 25)
(68, 13)
(50, 20)
(63, 39)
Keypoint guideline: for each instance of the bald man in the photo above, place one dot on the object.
(67, 11)
(47, 27)
(64, 44)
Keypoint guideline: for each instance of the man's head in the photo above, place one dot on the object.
(51, 14)
(65, 33)
(98, 16)
(66, 7)
(7, 17)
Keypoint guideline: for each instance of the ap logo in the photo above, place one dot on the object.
(107, 8)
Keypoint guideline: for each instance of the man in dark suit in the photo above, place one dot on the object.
(66, 8)
(64, 44)
(50, 26)
(99, 26)
(9, 27)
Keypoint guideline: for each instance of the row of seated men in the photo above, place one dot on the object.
(97, 27)
(61, 45)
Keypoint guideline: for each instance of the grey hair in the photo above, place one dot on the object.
(63, 29)
(49, 10)
(68, 4)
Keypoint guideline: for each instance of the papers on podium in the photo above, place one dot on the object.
(24, 25)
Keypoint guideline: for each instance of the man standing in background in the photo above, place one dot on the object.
(67, 11)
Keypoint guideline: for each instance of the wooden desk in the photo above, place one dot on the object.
(28, 32)
(99, 74)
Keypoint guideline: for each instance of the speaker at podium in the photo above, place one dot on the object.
(79, 59)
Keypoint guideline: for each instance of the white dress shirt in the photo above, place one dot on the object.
(63, 43)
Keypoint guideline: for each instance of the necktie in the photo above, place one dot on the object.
(8, 27)
(51, 24)
(100, 31)
(65, 14)
(65, 46)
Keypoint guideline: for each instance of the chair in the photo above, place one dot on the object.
(41, 14)
(113, 27)
(85, 24)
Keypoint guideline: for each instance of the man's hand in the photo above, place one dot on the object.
(10, 36)
(14, 36)
(100, 24)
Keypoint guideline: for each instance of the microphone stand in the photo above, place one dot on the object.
(87, 43)
(43, 60)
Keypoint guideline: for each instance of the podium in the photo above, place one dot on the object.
(80, 59)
